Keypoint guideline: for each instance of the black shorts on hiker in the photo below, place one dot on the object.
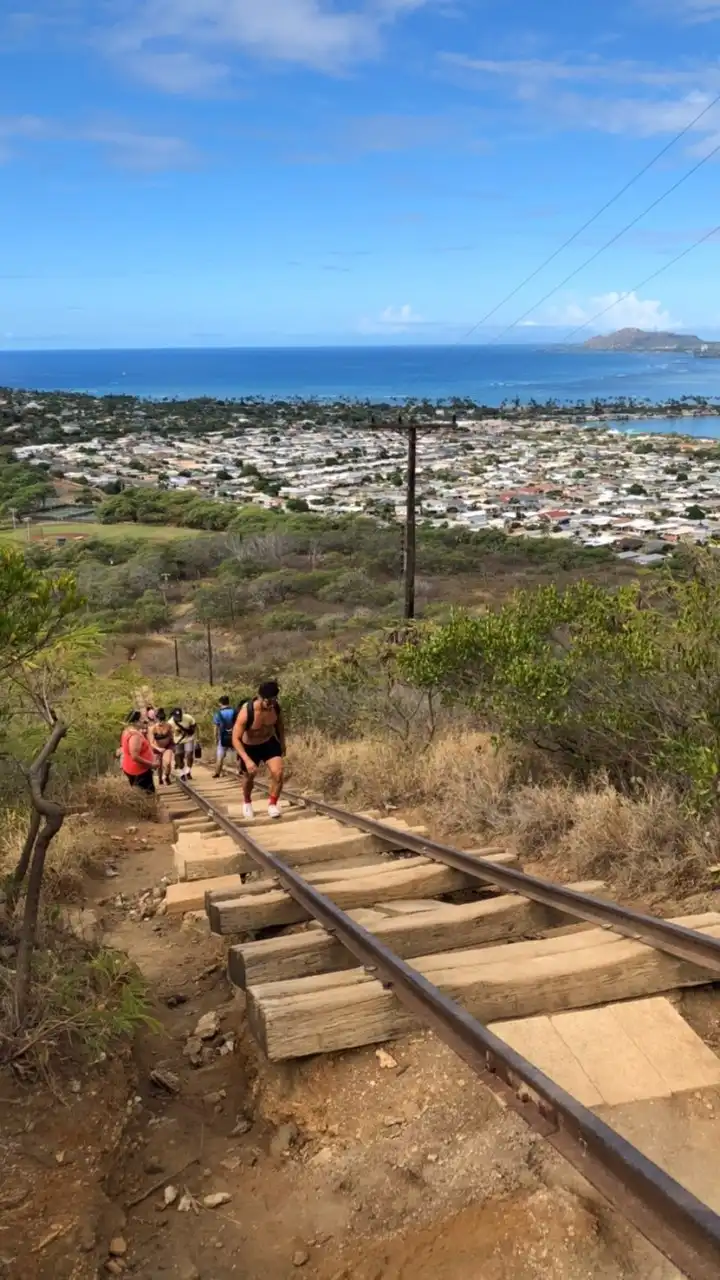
(261, 752)
(145, 781)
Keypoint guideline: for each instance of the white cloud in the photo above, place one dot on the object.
(401, 317)
(589, 95)
(124, 146)
(148, 152)
(392, 320)
(538, 73)
(204, 34)
(619, 311)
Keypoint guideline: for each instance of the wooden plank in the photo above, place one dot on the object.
(502, 859)
(249, 912)
(190, 895)
(323, 873)
(323, 838)
(410, 906)
(682, 1059)
(613, 1059)
(538, 1040)
(618, 1054)
(473, 924)
(344, 1010)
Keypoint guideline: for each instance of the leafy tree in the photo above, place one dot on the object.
(41, 635)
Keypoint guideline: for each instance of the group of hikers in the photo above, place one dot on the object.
(154, 743)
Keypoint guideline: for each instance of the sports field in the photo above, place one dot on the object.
(52, 529)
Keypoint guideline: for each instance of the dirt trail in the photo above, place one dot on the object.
(395, 1168)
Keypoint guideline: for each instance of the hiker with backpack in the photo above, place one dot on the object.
(223, 719)
(259, 738)
(184, 728)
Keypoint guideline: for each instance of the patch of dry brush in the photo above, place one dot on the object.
(642, 845)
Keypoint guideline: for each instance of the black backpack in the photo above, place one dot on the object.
(249, 706)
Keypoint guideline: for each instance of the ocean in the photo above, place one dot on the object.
(489, 374)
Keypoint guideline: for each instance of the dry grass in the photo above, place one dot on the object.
(110, 796)
(462, 787)
(83, 842)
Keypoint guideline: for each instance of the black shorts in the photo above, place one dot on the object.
(261, 752)
(145, 781)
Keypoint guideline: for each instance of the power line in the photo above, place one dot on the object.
(641, 285)
(576, 234)
(608, 243)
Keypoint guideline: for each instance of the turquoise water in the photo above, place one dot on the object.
(488, 374)
(705, 426)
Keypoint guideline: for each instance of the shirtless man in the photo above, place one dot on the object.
(259, 738)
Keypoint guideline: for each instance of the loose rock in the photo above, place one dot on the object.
(385, 1059)
(214, 1200)
(167, 1080)
(208, 1026)
(242, 1126)
(194, 1051)
(283, 1138)
(300, 1258)
(118, 1247)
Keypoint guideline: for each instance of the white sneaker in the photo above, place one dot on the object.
(274, 811)
(248, 811)
(183, 775)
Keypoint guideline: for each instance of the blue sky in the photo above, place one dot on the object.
(221, 172)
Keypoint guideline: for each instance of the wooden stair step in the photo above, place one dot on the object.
(473, 924)
(249, 912)
(343, 1010)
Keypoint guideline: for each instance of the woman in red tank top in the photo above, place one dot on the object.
(137, 757)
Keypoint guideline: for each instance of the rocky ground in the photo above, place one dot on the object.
(190, 1157)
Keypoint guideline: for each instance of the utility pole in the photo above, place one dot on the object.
(177, 656)
(27, 527)
(409, 548)
(210, 656)
(13, 513)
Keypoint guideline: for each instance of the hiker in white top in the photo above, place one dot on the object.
(184, 727)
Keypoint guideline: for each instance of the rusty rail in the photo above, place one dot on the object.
(679, 1225)
(663, 935)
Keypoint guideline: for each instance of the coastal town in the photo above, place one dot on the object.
(575, 476)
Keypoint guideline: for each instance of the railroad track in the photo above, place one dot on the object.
(678, 1224)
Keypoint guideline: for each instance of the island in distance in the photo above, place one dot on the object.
(643, 340)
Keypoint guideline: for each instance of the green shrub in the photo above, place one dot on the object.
(624, 681)
(287, 620)
(356, 588)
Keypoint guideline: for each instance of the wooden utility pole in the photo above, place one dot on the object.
(409, 548)
(210, 656)
(177, 656)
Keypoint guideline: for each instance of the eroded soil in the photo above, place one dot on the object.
(394, 1166)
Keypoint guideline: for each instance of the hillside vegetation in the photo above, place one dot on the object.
(543, 697)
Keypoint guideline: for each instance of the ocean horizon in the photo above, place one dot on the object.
(488, 374)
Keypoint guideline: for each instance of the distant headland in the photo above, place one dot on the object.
(643, 340)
